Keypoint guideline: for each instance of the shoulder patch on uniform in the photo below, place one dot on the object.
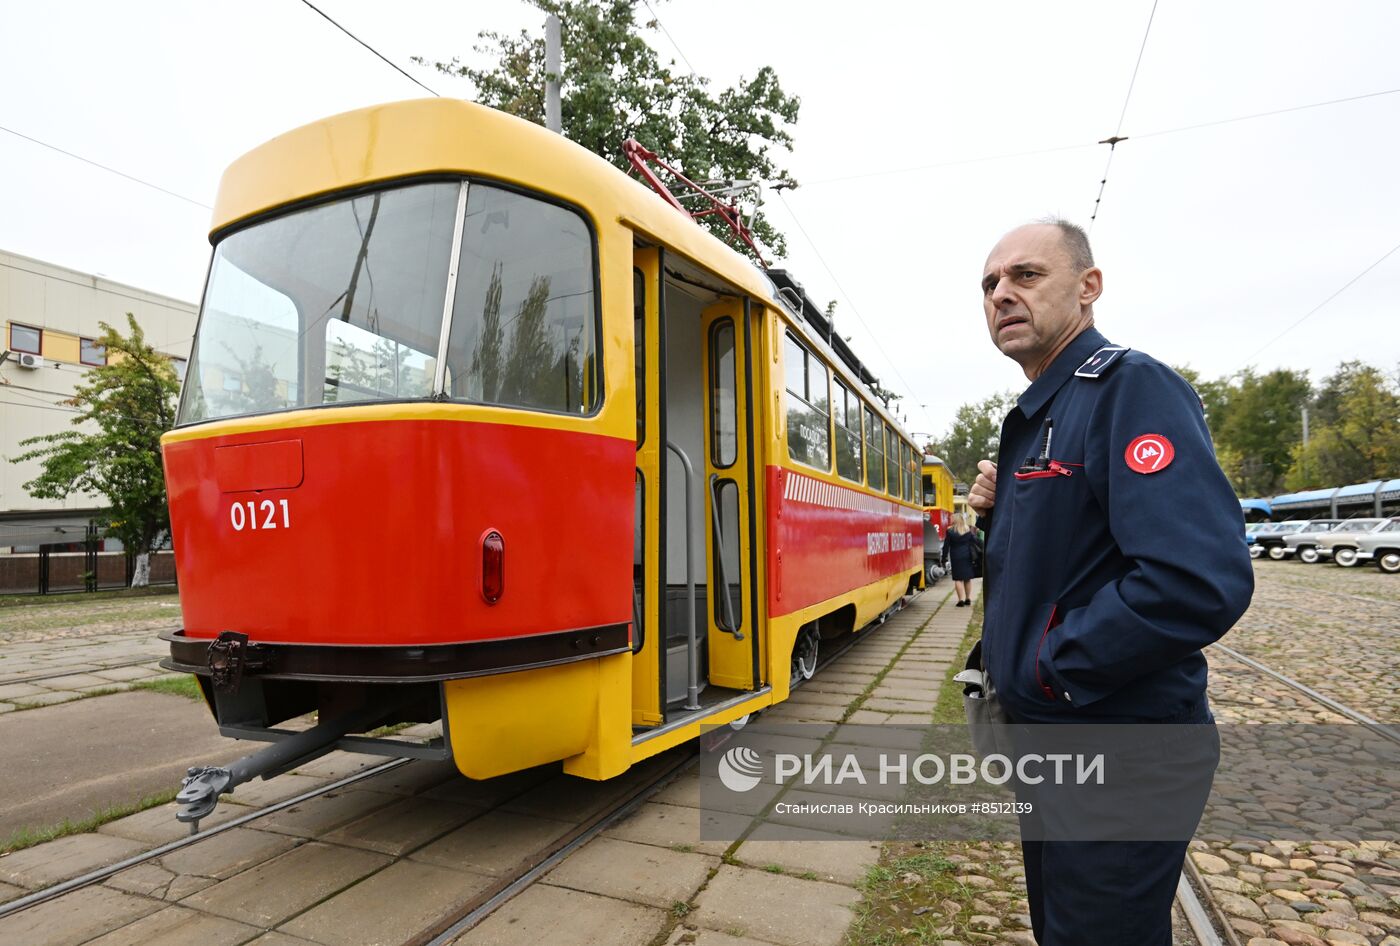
(1100, 361)
(1149, 453)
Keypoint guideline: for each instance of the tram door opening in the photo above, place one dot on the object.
(693, 561)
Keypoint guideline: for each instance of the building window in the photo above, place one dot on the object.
(26, 339)
(233, 383)
(92, 353)
(180, 364)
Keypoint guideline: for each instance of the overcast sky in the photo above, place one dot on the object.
(1213, 241)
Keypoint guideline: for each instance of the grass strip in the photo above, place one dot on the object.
(28, 837)
(185, 684)
(71, 597)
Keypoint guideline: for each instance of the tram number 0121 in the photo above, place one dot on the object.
(260, 515)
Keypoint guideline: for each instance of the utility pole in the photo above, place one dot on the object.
(553, 67)
(1305, 428)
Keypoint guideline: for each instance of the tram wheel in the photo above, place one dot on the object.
(804, 655)
(1389, 562)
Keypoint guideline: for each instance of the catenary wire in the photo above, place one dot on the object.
(677, 45)
(1315, 309)
(357, 39)
(110, 170)
(981, 159)
(854, 311)
(1118, 131)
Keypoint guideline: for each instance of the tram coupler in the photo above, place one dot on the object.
(202, 786)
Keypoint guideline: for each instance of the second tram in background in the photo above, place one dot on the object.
(936, 487)
(476, 428)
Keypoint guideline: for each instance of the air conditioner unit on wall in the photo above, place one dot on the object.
(25, 360)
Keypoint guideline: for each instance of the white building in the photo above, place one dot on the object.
(49, 315)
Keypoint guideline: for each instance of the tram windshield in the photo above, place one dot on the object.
(343, 302)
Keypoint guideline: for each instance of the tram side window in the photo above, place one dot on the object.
(524, 320)
(724, 404)
(891, 462)
(930, 491)
(874, 450)
(808, 420)
(911, 473)
(846, 411)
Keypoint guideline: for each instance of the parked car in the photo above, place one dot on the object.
(1303, 543)
(1266, 540)
(1382, 547)
(1340, 545)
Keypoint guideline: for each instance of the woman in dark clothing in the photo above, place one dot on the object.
(962, 547)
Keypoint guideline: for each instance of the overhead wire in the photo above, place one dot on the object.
(1315, 309)
(1117, 135)
(854, 311)
(980, 159)
(395, 66)
(677, 45)
(104, 167)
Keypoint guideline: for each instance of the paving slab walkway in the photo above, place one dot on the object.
(68, 762)
(779, 885)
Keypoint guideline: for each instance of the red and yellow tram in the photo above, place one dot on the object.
(475, 428)
(936, 485)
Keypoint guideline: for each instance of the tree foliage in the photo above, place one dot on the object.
(123, 407)
(975, 435)
(615, 86)
(1355, 434)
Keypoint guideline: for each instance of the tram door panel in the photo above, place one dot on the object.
(729, 534)
(648, 647)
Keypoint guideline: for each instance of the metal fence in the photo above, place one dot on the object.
(56, 569)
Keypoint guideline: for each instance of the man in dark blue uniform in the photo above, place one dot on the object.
(1114, 554)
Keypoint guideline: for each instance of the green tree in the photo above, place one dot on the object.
(615, 86)
(1355, 431)
(1262, 424)
(125, 405)
(975, 435)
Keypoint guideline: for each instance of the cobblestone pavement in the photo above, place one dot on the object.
(1334, 629)
(1338, 631)
(62, 649)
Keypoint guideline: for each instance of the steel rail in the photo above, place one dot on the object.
(96, 876)
(477, 910)
(6, 681)
(1356, 716)
(1205, 927)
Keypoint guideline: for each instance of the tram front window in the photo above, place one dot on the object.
(340, 302)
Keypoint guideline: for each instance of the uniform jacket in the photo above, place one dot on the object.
(1108, 571)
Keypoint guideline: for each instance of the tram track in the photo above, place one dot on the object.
(104, 873)
(1209, 922)
(459, 919)
(481, 907)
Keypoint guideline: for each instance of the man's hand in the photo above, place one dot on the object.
(983, 495)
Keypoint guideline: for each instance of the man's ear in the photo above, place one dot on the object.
(1090, 286)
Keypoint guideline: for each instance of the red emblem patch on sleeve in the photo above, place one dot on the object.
(1149, 453)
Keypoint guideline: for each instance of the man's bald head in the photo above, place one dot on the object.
(1038, 290)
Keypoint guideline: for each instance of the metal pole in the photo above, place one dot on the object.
(1305, 428)
(553, 67)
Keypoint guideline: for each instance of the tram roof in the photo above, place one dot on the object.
(419, 137)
